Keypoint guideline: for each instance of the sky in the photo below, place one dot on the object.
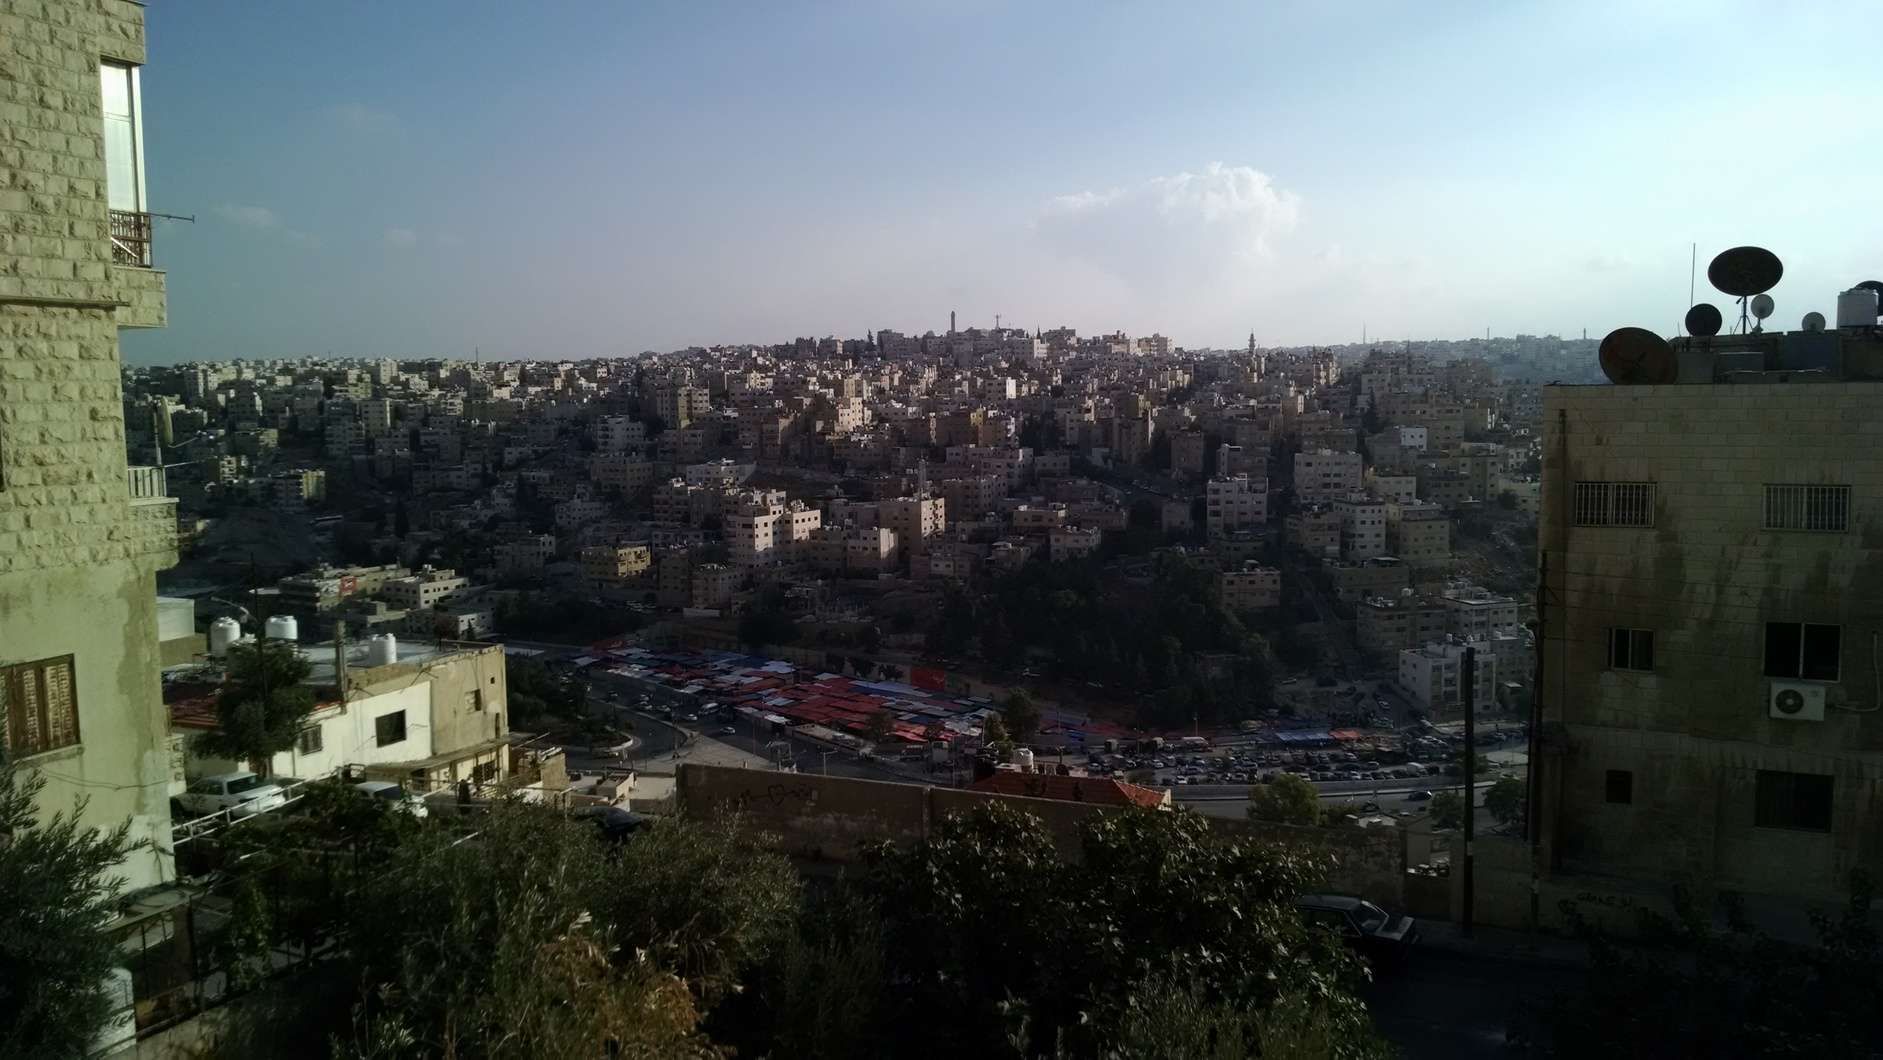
(421, 179)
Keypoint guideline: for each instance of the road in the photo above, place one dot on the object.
(1455, 1005)
(1235, 804)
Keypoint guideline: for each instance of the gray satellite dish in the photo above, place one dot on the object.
(1814, 321)
(1761, 306)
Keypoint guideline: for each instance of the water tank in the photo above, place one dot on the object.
(282, 627)
(222, 633)
(382, 649)
(1856, 308)
(1023, 757)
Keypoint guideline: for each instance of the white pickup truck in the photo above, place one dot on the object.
(243, 794)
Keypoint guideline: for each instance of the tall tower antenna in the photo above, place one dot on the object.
(951, 322)
(996, 321)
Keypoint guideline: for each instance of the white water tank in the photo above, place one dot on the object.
(382, 649)
(222, 633)
(1856, 308)
(1023, 757)
(282, 627)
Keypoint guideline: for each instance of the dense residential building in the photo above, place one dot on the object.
(1327, 475)
(1252, 587)
(82, 535)
(1432, 676)
(1710, 690)
(1235, 502)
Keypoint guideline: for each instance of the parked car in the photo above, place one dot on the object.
(1361, 924)
(728, 730)
(1419, 796)
(242, 793)
(401, 800)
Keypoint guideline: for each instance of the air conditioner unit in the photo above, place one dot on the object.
(1797, 701)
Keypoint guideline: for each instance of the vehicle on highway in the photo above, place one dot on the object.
(728, 730)
(1361, 924)
(1419, 796)
(395, 796)
(689, 718)
(242, 793)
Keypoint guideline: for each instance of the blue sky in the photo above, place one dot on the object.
(598, 179)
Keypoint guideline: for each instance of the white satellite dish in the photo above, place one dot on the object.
(1761, 306)
(1814, 321)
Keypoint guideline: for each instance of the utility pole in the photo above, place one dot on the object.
(1468, 686)
(1533, 784)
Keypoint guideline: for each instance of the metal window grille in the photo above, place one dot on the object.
(1823, 509)
(1614, 504)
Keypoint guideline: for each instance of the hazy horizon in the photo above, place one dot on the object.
(579, 181)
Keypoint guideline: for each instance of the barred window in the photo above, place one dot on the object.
(38, 707)
(1614, 504)
(1825, 509)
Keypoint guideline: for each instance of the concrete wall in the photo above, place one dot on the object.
(834, 818)
(1706, 578)
(77, 557)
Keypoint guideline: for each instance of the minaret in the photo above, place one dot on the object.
(951, 322)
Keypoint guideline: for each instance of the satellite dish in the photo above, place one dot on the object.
(1761, 306)
(1637, 357)
(1703, 320)
(1873, 285)
(1814, 321)
(1745, 271)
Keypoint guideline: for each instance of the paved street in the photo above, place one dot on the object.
(1456, 1006)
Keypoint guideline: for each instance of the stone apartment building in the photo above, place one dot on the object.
(1251, 588)
(1326, 475)
(1714, 559)
(81, 534)
(1419, 533)
(1362, 527)
(1235, 502)
(1432, 675)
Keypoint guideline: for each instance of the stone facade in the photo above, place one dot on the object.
(1659, 771)
(79, 548)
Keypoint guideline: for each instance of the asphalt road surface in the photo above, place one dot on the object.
(1448, 1005)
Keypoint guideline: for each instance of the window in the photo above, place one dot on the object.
(1631, 649)
(389, 728)
(310, 740)
(1802, 651)
(1793, 800)
(38, 707)
(124, 164)
(1823, 509)
(1619, 787)
(474, 700)
(1614, 504)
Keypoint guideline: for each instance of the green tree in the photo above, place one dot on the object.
(56, 879)
(1685, 985)
(1447, 809)
(880, 727)
(998, 945)
(1287, 799)
(1022, 715)
(994, 734)
(263, 704)
(1505, 799)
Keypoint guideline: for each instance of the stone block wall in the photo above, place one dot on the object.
(1705, 578)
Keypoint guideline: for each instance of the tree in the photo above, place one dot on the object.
(1021, 715)
(1448, 809)
(1287, 799)
(996, 944)
(1685, 986)
(994, 734)
(1505, 800)
(880, 727)
(263, 705)
(56, 877)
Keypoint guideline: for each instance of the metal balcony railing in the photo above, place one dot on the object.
(130, 238)
(146, 483)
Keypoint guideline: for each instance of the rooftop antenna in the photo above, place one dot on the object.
(996, 321)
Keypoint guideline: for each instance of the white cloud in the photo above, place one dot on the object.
(401, 238)
(259, 217)
(1174, 232)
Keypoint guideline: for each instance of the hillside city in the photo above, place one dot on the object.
(984, 690)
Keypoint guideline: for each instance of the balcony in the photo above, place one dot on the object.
(130, 238)
(146, 484)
